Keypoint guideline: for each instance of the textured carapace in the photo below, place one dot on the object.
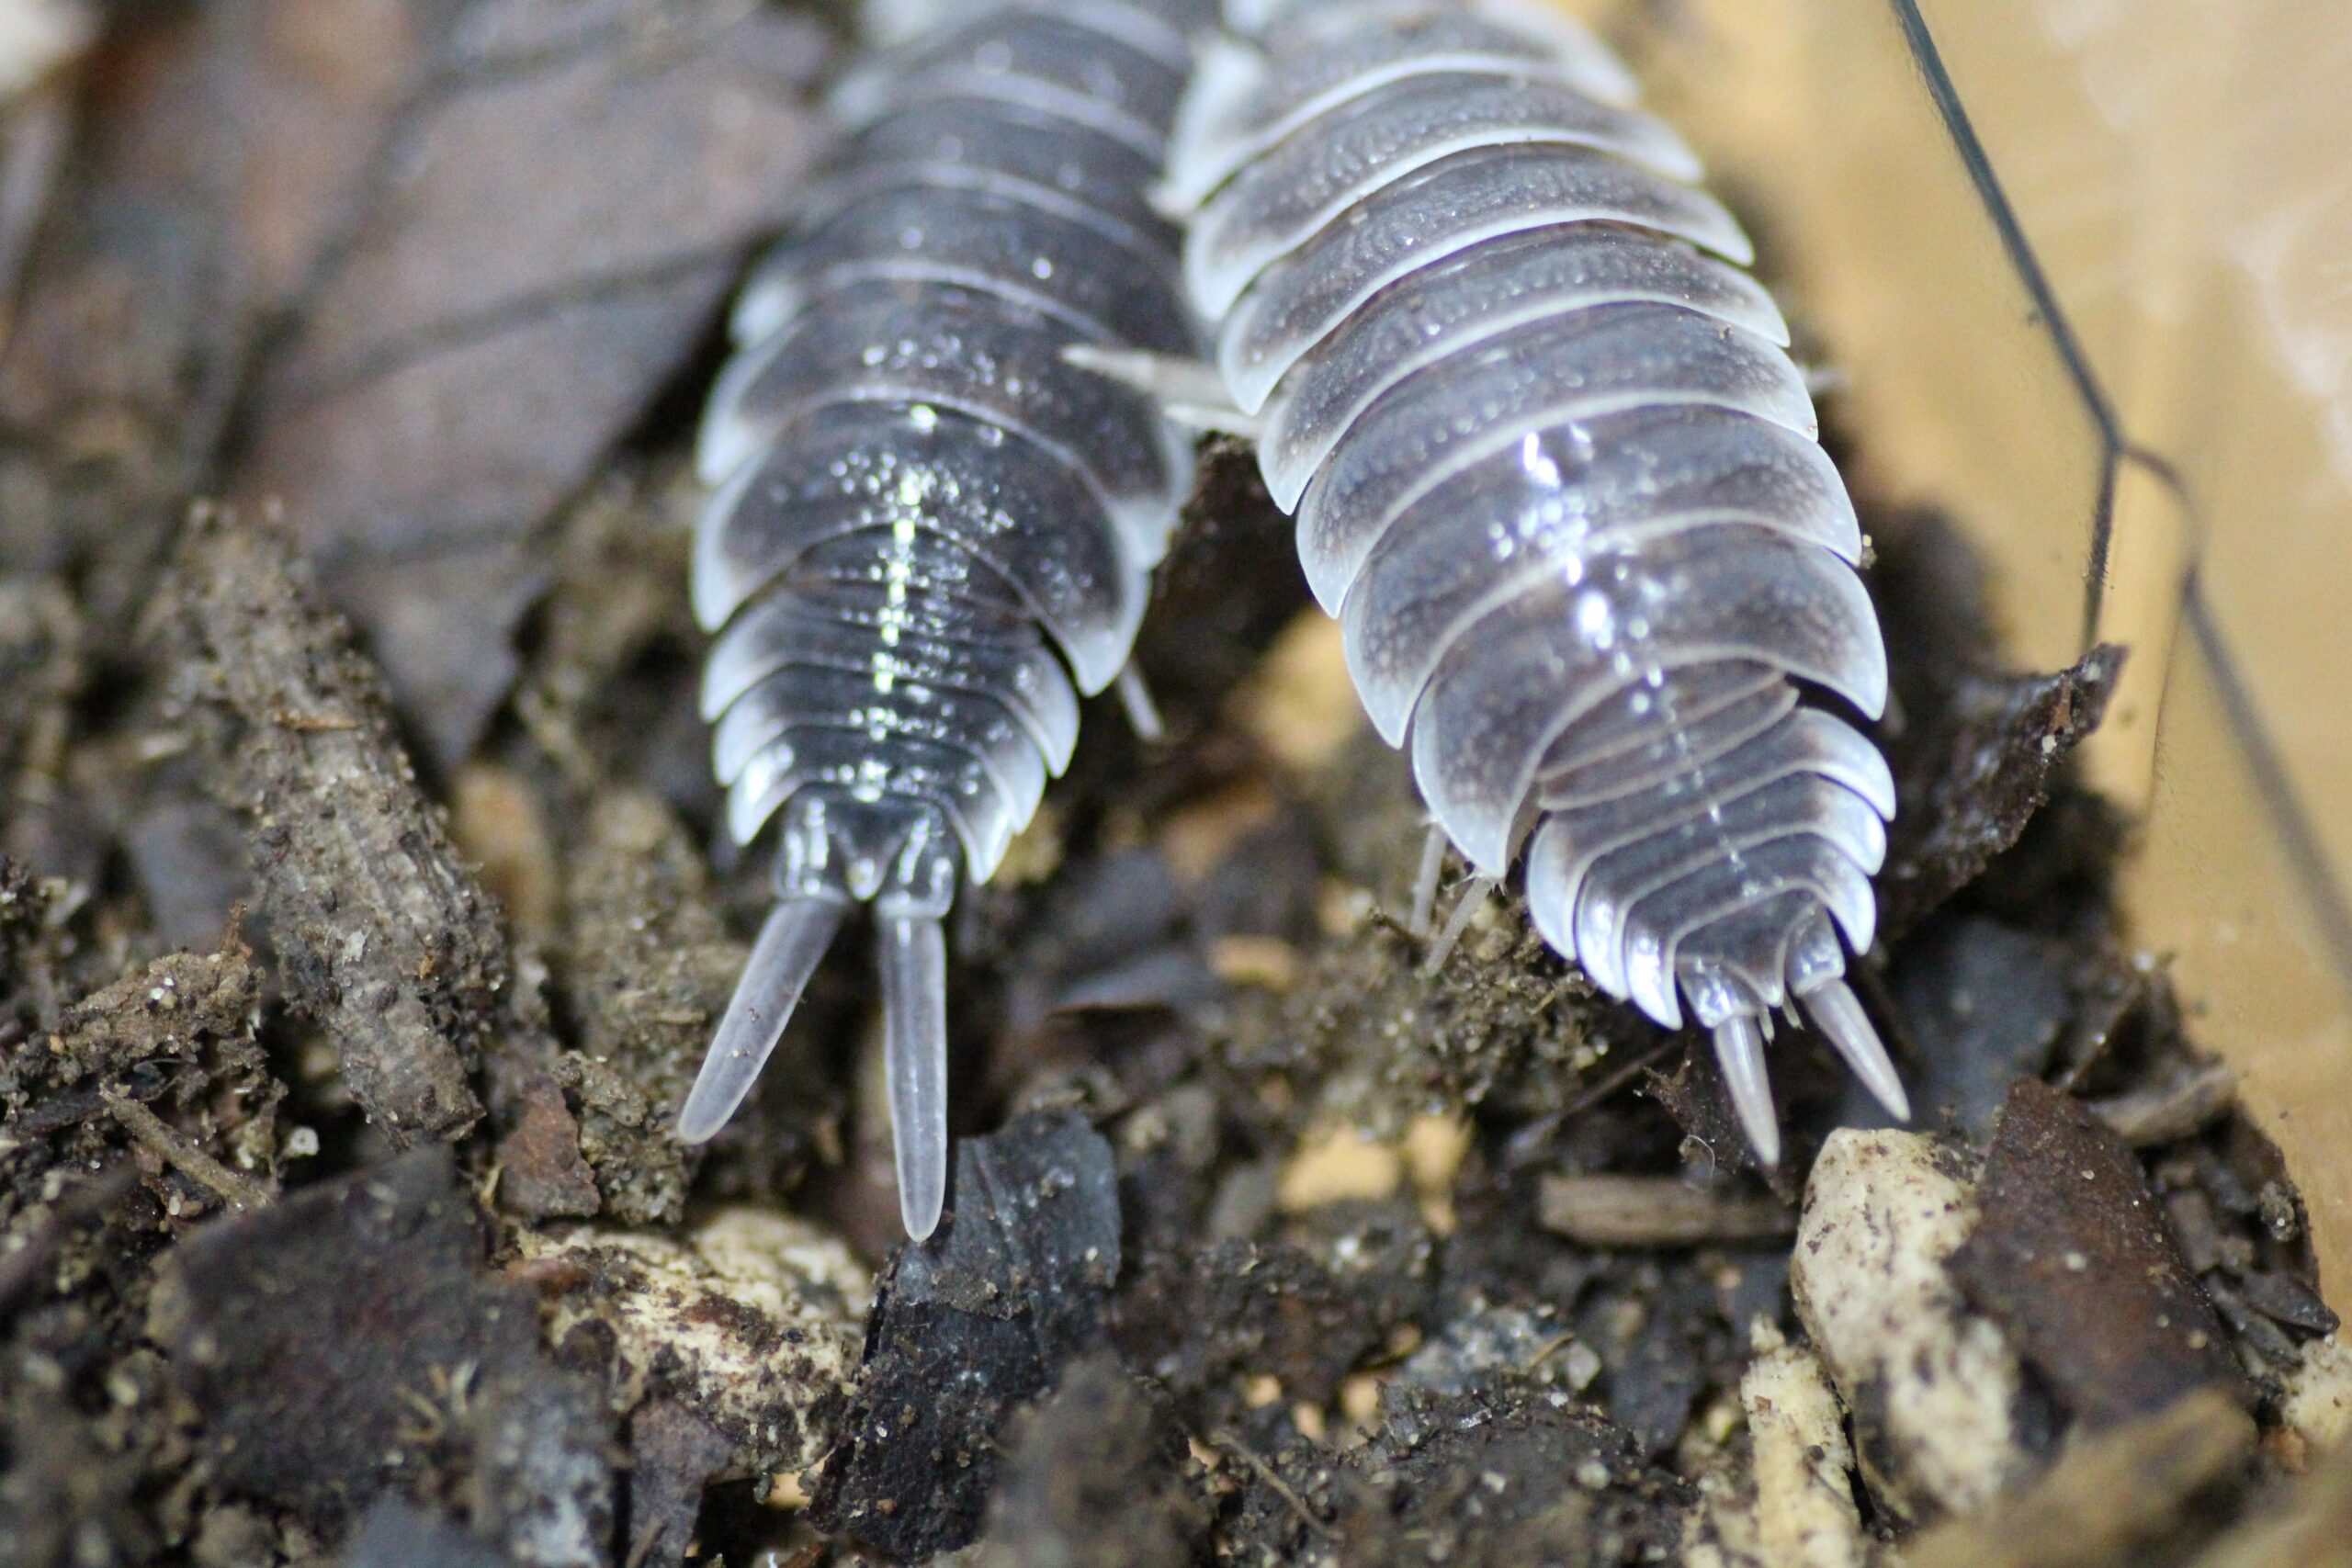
(932, 533)
(1555, 471)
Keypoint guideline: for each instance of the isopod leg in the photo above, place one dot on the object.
(1189, 391)
(1425, 880)
(1838, 1015)
(1465, 909)
(790, 945)
(1739, 1051)
(1143, 714)
(914, 1025)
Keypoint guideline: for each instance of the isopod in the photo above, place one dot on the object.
(931, 533)
(1553, 468)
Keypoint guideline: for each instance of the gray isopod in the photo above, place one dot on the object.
(931, 532)
(1553, 468)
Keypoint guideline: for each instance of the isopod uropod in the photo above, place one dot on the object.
(932, 533)
(1552, 467)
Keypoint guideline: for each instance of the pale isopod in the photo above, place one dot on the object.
(932, 533)
(1555, 471)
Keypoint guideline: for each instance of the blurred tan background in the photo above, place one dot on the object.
(2179, 175)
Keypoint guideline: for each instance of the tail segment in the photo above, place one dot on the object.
(791, 944)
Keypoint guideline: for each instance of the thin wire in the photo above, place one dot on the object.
(2319, 887)
(2116, 445)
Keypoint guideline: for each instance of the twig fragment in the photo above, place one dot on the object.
(1656, 1210)
(237, 1190)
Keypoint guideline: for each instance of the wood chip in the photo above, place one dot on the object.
(1656, 1211)
(2123, 1490)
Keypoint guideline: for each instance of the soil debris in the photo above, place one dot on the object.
(1215, 1325)
(347, 1343)
(749, 1325)
(1292, 1246)
(167, 1061)
(647, 969)
(1475, 1480)
(1092, 1478)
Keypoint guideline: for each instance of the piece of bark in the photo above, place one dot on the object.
(386, 940)
(566, 211)
(672, 1454)
(2073, 1259)
(749, 1324)
(1969, 787)
(543, 1175)
(2111, 1500)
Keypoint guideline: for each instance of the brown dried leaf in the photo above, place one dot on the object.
(564, 212)
(123, 346)
(222, 153)
(2073, 1259)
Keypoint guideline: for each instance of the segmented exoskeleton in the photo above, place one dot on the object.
(931, 532)
(1555, 471)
